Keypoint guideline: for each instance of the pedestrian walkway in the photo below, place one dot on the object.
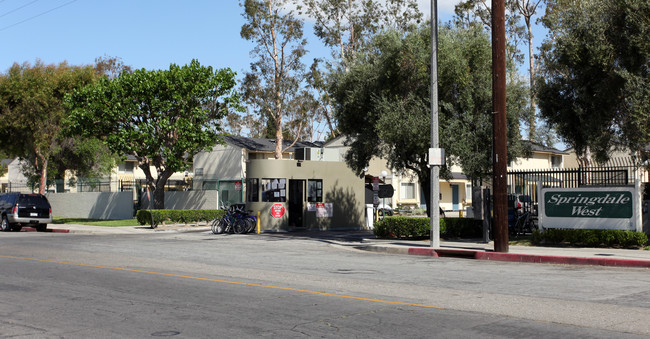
(366, 240)
(89, 229)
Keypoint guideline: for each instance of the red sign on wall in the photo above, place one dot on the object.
(277, 211)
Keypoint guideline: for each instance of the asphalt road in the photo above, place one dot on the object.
(205, 285)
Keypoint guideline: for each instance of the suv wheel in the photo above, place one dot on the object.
(5, 226)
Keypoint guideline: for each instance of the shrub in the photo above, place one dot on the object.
(414, 227)
(157, 217)
(591, 238)
(403, 227)
(461, 228)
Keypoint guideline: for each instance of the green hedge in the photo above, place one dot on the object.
(461, 228)
(590, 238)
(156, 217)
(414, 227)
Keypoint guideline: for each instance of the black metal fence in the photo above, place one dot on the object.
(97, 185)
(523, 184)
(231, 190)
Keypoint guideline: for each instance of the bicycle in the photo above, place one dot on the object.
(234, 221)
(525, 224)
(250, 221)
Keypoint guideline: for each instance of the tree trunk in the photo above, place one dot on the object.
(159, 193)
(156, 187)
(278, 137)
(531, 61)
(43, 182)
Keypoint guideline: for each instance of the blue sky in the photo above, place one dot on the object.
(147, 34)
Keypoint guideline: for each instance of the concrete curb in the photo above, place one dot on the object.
(511, 257)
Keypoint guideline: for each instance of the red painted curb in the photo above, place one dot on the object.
(58, 230)
(528, 258)
(429, 252)
(551, 259)
(52, 230)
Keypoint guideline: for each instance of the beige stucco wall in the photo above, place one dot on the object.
(222, 162)
(344, 190)
(537, 161)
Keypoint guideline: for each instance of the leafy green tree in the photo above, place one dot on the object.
(594, 76)
(32, 110)
(382, 102)
(160, 117)
(273, 87)
(83, 157)
(3, 166)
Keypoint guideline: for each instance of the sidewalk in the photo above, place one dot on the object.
(88, 229)
(366, 240)
(530, 254)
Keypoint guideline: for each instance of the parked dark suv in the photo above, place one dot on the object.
(20, 210)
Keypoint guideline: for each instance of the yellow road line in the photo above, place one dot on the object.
(224, 281)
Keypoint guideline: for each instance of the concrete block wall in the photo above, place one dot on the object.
(92, 205)
(119, 205)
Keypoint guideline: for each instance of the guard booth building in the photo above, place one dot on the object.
(306, 193)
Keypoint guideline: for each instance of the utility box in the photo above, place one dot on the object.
(436, 156)
(478, 202)
(482, 209)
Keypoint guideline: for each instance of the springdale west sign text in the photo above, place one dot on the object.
(594, 208)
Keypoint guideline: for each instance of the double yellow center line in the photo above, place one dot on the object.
(223, 281)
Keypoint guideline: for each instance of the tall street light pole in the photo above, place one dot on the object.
(500, 153)
(436, 156)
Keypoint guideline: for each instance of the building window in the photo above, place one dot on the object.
(556, 161)
(209, 185)
(125, 167)
(253, 190)
(274, 190)
(315, 190)
(407, 190)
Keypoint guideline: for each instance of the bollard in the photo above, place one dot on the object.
(258, 222)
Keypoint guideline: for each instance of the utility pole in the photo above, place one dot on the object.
(500, 153)
(436, 156)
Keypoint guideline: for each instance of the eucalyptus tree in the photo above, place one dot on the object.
(345, 26)
(528, 9)
(594, 75)
(480, 10)
(161, 117)
(273, 86)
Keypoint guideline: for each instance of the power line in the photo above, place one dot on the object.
(36, 16)
(19, 8)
